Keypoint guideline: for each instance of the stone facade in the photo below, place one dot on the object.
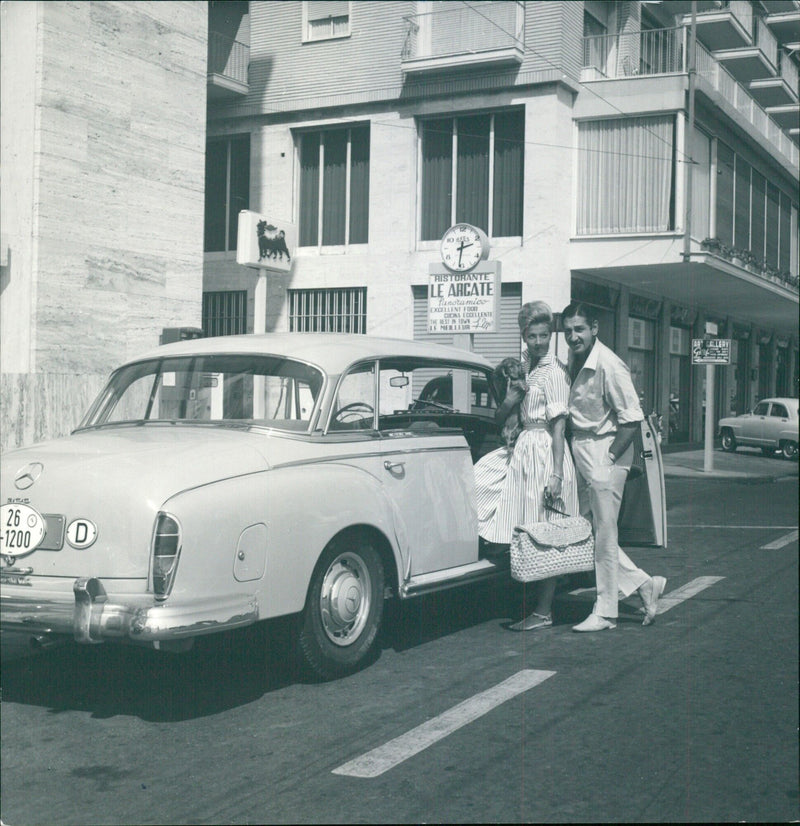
(103, 141)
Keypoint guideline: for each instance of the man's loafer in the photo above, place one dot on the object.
(594, 622)
(650, 593)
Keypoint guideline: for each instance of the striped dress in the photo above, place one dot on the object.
(510, 484)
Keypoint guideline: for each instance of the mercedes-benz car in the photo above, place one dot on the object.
(219, 482)
(771, 425)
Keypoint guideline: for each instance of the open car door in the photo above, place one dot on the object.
(643, 514)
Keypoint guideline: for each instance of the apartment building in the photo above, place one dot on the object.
(641, 156)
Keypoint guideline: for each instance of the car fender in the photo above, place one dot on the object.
(280, 521)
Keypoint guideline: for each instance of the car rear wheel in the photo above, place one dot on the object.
(789, 449)
(728, 440)
(344, 607)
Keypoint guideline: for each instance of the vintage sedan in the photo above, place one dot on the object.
(772, 426)
(219, 482)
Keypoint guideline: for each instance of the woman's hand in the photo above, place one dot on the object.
(516, 388)
(554, 485)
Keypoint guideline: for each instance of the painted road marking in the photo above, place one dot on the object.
(686, 591)
(781, 541)
(675, 597)
(738, 527)
(389, 755)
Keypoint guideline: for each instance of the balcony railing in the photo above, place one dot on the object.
(767, 42)
(663, 51)
(454, 33)
(228, 57)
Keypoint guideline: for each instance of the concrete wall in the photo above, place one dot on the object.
(103, 113)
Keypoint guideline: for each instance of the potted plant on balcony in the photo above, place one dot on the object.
(712, 245)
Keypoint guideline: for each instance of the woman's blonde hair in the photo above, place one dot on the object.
(535, 312)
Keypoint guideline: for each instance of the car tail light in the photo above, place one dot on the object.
(166, 550)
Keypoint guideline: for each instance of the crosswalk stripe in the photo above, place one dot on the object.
(385, 757)
(686, 591)
(781, 541)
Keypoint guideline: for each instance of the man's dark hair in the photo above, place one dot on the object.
(579, 308)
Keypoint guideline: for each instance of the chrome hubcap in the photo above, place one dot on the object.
(344, 600)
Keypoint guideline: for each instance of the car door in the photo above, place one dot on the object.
(427, 472)
(776, 422)
(643, 513)
(752, 426)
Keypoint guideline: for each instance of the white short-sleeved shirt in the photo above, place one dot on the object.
(602, 396)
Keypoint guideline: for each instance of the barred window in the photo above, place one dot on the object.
(225, 313)
(328, 311)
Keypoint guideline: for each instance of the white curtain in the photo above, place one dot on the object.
(625, 173)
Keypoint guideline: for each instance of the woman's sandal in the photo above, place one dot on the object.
(532, 622)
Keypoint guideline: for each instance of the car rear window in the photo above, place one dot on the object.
(220, 389)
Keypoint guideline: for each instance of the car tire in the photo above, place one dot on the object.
(728, 440)
(789, 449)
(344, 607)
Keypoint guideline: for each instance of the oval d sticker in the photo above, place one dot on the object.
(81, 533)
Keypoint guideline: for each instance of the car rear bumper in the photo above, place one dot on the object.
(92, 616)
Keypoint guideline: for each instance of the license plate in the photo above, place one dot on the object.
(21, 530)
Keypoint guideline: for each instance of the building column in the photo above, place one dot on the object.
(662, 367)
(623, 307)
(696, 428)
(725, 375)
(773, 364)
(754, 367)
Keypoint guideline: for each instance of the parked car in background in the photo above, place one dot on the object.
(218, 482)
(772, 426)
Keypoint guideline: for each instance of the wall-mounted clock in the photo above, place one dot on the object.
(463, 247)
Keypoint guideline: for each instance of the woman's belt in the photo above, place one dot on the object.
(536, 426)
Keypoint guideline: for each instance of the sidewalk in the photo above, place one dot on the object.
(745, 463)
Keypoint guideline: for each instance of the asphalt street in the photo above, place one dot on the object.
(459, 720)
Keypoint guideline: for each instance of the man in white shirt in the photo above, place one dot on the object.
(604, 415)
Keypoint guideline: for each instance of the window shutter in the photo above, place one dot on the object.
(320, 9)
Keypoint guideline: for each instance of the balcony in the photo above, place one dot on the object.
(663, 52)
(728, 27)
(452, 36)
(785, 23)
(228, 63)
(751, 62)
(780, 90)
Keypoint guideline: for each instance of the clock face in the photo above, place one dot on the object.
(463, 247)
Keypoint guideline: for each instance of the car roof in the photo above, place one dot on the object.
(333, 352)
(780, 399)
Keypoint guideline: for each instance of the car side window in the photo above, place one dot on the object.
(761, 409)
(354, 408)
(780, 411)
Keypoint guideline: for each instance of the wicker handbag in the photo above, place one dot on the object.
(546, 549)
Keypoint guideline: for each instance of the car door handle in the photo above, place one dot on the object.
(392, 466)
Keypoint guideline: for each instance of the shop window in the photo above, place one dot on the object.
(227, 190)
(626, 171)
(641, 359)
(472, 172)
(225, 313)
(325, 19)
(328, 311)
(679, 383)
(334, 186)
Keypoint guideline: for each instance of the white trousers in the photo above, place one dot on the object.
(600, 486)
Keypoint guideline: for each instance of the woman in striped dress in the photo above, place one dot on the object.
(510, 483)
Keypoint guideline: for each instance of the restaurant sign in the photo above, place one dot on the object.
(464, 302)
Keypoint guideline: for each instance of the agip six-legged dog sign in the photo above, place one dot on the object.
(265, 242)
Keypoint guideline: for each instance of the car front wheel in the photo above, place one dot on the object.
(728, 440)
(789, 449)
(344, 607)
